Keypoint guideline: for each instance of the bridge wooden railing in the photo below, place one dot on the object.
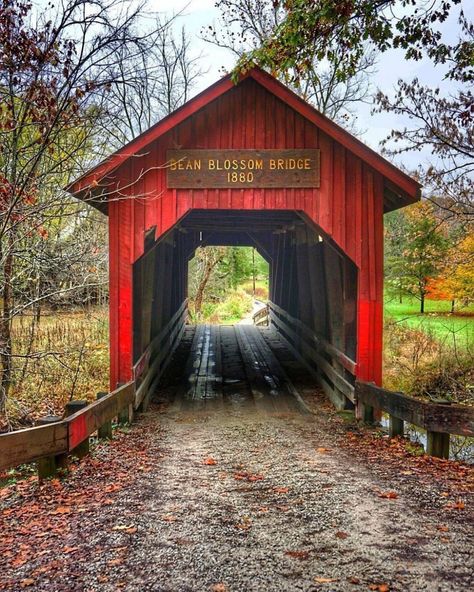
(439, 419)
(261, 317)
(49, 444)
(63, 435)
(152, 363)
(333, 369)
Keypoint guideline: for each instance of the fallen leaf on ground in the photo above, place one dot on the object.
(219, 587)
(298, 554)
(443, 528)
(169, 518)
(325, 580)
(117, 561)
(263, 509)
(379, 587)
(245, 524)
(341, 535)
(244, 476)
(70, 549)
(459, 505)
(388, 494)
(322, 450)
(123, 527)
(281, 489)
(26, 582)
(209, 461)
(61, 510)
(353, 580)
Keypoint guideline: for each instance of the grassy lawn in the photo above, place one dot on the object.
(457, 327)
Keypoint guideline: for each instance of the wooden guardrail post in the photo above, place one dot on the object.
(47, 466)
(70, 408)
(368, 415)
(125, 415)
(105, 430)
(396, 426)
(437, 444)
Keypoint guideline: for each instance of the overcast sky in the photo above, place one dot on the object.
(390, 67)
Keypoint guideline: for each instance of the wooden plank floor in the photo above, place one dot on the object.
(232, 365)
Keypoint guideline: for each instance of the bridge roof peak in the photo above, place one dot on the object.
(400, 189)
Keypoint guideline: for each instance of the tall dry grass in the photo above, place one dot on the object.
(65, 356)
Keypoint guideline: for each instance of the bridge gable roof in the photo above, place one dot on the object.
(399, 189)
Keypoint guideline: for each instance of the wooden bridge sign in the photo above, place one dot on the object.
(235, 169)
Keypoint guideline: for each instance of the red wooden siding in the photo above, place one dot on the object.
(347, 207)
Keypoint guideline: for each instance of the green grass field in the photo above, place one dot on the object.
(450, 328)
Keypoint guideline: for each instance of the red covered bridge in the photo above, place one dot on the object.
(249, 164)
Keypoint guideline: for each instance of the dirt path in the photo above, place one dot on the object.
(229, 488)
(284, 507)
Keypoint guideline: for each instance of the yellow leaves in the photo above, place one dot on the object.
(322, 450)
(324, 580)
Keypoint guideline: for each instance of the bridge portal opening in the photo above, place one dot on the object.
(312, 291)
(226, 284)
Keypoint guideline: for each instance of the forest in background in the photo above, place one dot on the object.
(81, 79)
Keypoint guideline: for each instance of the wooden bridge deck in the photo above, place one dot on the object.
(233, 365)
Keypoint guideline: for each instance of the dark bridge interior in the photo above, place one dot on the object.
(312, 299)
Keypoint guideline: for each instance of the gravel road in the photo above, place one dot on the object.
(237, 494)
(284, 507)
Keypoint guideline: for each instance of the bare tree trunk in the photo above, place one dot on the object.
(5, 331)
(202, 285)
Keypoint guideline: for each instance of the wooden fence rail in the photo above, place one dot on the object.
(152, 363)
(260, 318)
(333, 369)
(61, 437)
(438, 419)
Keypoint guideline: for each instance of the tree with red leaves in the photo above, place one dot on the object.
(57, 66)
